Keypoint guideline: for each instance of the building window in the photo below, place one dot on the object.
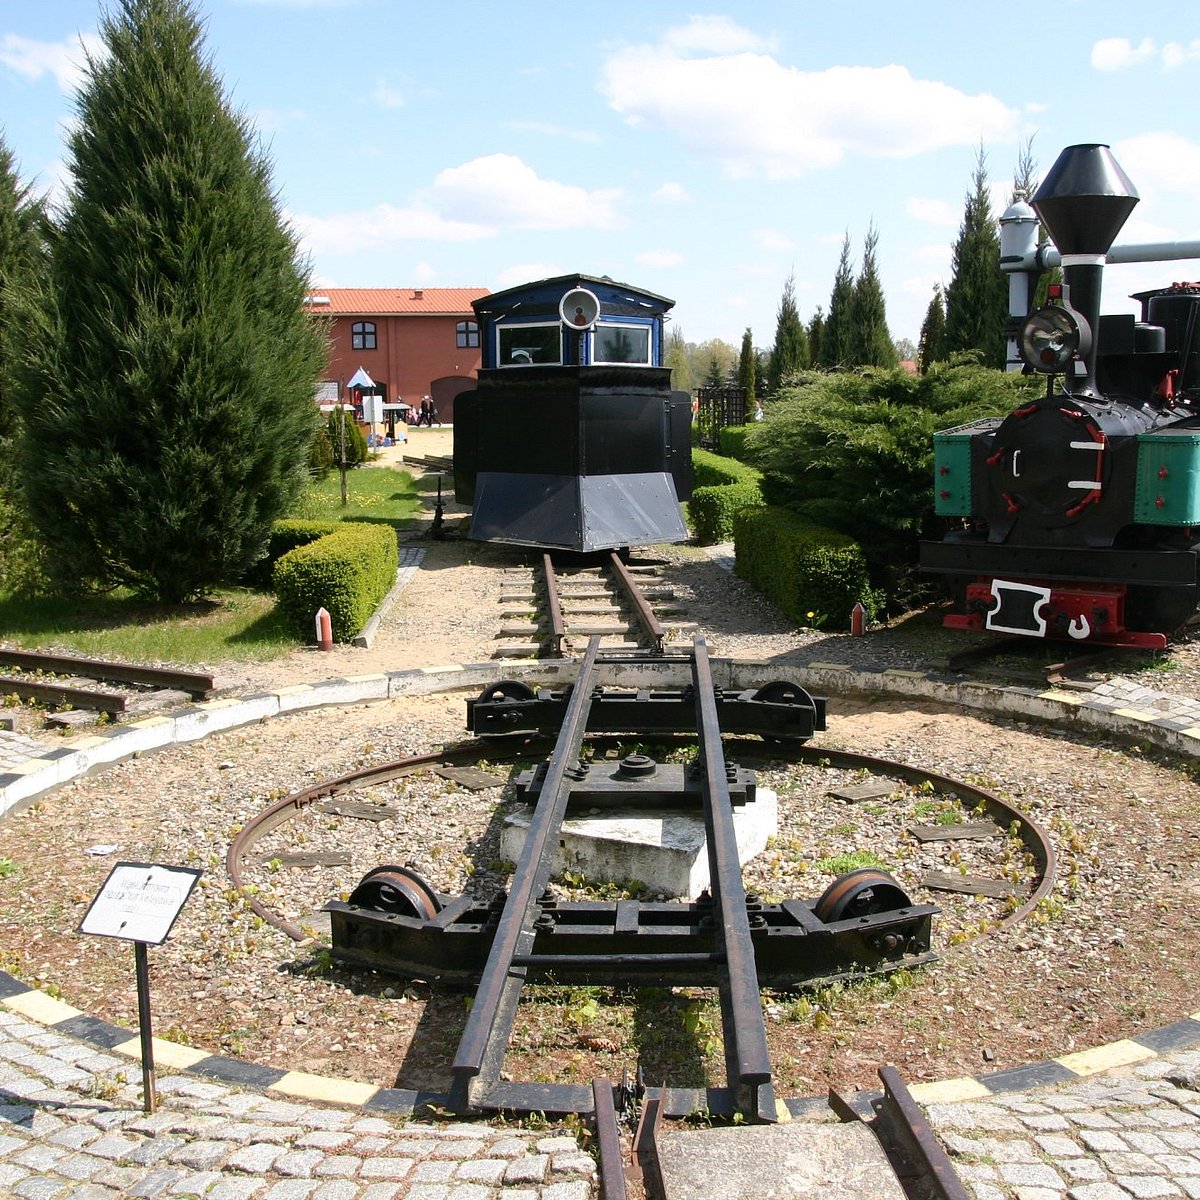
(362, 335)
(621, 344)
(466, 335)
(525, 345)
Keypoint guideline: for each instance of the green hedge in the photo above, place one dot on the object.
(711, 509)
(347, 572)
(813, 575)
(715, 470)
(732, 441)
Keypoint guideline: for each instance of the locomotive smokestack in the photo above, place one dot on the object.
(1083, 202)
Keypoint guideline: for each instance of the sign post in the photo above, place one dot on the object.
(139, 903)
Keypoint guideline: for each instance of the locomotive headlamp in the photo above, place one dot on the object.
(1052, 337)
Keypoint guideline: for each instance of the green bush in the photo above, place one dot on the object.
(347, 572)
(715, 470)
(320, 454)
(853, 450)
(711, 509)
(356, 442)
(732, 440)
(813, 575)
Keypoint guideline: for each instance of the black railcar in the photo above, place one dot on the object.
(573, 438)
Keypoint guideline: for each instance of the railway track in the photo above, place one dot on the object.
(72, 686)
(550, 610)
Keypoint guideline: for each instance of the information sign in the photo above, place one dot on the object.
(139, 902)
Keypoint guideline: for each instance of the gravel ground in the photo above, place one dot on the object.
(1098, 962)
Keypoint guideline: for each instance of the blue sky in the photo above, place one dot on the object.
(702, 152)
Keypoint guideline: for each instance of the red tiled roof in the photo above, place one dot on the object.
(382, 302)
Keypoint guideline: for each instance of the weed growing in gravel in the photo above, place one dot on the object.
(841, 863)
(7, 867)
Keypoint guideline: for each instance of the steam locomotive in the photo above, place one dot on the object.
(573, 438)
(1078, 515)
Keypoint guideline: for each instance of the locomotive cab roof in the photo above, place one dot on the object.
(614, 324)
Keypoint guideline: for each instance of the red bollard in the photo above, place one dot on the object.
(324, 630)
(858, 620)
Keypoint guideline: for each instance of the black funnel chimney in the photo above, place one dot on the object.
(1083, 202)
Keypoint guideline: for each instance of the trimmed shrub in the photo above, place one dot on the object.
(732, 441)
(711, 509)
(811, 574)
(347, 572)
(715, 470)
(320, 454)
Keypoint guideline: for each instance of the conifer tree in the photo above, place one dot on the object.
(790, 352)
(867, 340)
(748, 367)
(816, 334)
(178, 367)
(22, 268)
(834, 333)
(977, 297)
(933, 332)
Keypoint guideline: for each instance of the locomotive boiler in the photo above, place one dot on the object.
(1078, 515)
(573, 438)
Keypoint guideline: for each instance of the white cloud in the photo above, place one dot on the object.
(671, 193)
(1115, 54)
(659, 258)
(423, 272)
(713, 35)
(387, 95)
(930, 211)
(758, 116)
(379, 227)
(774, 240)
(549, 129)
(65, 61)
(500, 191)
(1175, 54)
(1160, 162)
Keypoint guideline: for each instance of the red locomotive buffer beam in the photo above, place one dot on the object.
(1092, 613)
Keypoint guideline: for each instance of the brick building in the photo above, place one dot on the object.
(412, 342)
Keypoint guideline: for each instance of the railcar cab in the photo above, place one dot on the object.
(573, 438)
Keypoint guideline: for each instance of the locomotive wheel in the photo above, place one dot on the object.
(506, 689)
(780, 691)
(397, 890)
(860, 893)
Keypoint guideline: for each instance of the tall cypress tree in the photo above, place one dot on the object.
(22, 269)
(833, 336)
(933, 332)
(816, 334)
(868, 342)
(977, 298)
(790, 352)
(179, 372)
(748, 367)
(677, 360)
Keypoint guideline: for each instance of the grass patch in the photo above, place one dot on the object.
(235, 623)
(372, 494)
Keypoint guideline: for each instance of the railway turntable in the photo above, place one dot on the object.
(725, 939)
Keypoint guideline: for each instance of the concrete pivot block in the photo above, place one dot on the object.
(783, 1162)
(665, 850)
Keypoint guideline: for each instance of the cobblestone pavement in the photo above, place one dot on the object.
(72, 1127)
(1133, 1133)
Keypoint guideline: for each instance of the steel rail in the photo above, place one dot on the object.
(558, 627)
(641, 606)
(95, 699)
(749, 1064)
(488, 1029)
(197, 683)
(608, 1142)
